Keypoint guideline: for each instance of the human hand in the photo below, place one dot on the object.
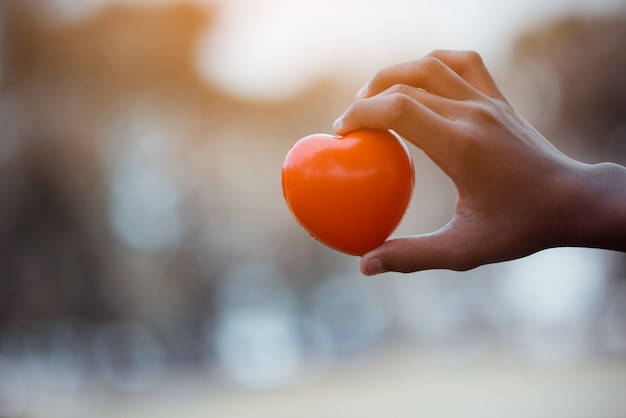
(517, 194)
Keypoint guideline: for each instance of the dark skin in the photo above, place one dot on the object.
(517, 193)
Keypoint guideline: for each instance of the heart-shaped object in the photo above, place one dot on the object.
(351, 192)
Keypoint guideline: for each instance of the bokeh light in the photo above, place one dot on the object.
(149, 265)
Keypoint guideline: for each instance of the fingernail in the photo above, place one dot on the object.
(337, 123)
(361, 93)
(374, 266)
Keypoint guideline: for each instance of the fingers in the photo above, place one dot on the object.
(456, 75)
(444, 249)
(425, 101)
(393, 106)
(401, 112)
(471, 67)
(428, 73)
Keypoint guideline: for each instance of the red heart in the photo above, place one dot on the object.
(350, 192)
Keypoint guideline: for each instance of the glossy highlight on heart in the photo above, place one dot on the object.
(351, 192)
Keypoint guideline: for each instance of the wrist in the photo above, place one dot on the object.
(597, 202)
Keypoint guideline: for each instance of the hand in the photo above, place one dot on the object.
(517, 194)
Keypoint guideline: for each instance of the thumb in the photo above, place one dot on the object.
(443, 249)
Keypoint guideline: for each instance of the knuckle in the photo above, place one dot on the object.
(408, 263)
(486, 114)
(464, 266)
(464, 263)
(462, 258)
(383, 74)
(471, 56)
(399, 89)
(481, 113)
(467, 57)
(438, 52)
(399, 106)
(429, 65)
(357, 111)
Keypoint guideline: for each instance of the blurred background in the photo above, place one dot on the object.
(149, 265)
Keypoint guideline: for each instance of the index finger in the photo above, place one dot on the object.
(453, 74)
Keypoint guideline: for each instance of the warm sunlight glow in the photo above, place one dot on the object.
(272, 49)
